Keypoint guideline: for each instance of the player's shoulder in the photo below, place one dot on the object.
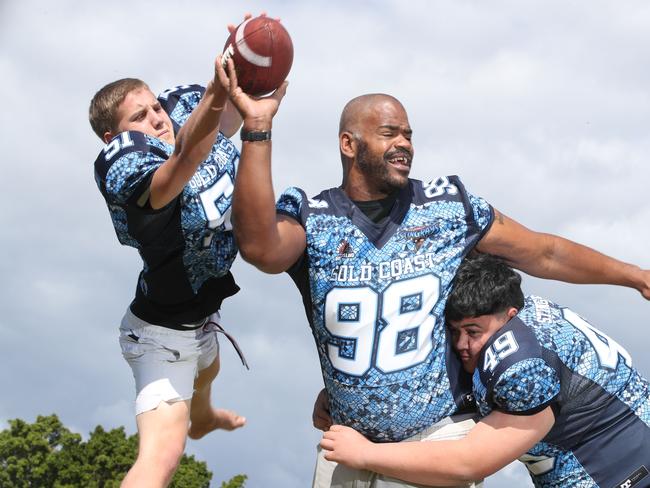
(515, 342)
(180, 101)
(170, 97)
(517, 373)
(132, 146)
(553, 325)
(331, 203)
(439, 188)
(322, 201)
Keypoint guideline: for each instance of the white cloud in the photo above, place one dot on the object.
(541, 107)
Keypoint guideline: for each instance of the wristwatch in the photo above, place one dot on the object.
(255, 135)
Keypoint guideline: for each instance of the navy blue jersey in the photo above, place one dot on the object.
(550, 356)
(375, 294)
(187, 247)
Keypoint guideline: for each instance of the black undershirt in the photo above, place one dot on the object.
(377, 210)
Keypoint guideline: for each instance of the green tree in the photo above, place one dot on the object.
(47, 454)
(236, 482)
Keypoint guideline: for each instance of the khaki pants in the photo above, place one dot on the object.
(329, 474)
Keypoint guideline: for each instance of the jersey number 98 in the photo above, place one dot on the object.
(396, 323)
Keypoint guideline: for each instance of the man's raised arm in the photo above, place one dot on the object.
(193, 144)
(270, 242)
(552, 257)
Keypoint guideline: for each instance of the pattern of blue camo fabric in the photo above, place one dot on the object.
(375, 294)
(187, 247)
(550, 356)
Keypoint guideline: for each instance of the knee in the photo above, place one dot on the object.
(164, 461)
(170, 457)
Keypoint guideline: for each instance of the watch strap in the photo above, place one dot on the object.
(255, 135)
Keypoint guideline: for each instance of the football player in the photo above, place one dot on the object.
(374, 259)
(166, 173)
(553, 391)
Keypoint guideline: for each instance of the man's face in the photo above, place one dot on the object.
(469, 335)
(140, 111)
(385, 151)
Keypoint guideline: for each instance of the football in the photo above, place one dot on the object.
(262, 51)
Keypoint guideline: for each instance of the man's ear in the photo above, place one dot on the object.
(108, 135)
(512, 311)
(348, 145)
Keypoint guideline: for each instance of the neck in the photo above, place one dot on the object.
(359, 189)
(361, 193)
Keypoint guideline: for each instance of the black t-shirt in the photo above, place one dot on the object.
(377, 210)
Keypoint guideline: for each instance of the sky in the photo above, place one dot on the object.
(541, 107)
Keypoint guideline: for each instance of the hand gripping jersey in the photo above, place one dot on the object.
(187, 247)
(375, 295)
(550, 356)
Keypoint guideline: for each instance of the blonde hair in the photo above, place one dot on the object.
(103, 107)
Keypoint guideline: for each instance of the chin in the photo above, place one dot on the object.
(396, 182)
(469, 366)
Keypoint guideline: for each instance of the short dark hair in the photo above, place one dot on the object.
(484, 285)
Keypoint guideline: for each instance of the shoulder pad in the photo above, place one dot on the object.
(129, 142)
(291, 202)
(179, 102)
(513, 343)
(441, 188)
(519, 377)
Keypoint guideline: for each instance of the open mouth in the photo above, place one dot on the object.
(401, 162)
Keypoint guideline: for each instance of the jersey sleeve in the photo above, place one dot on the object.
(293, 204)
(520, 377)
(124, 168)
(526, 387)
(180, 101)
(481, 211)
(123, 172)
(290, 203)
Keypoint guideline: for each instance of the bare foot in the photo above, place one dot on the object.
(221, 419)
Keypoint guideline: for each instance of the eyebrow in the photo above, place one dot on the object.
(408, 130)
(464, 326)
(135, 114)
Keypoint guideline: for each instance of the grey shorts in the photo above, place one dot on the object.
(165, 362)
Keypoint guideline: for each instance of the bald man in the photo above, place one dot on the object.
(374, 260)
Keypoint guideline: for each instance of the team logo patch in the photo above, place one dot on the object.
(345, 250)
(634, 478)
(418, 234)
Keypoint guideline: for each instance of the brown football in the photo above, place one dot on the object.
(262, 51)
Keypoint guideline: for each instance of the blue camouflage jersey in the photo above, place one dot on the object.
(187, 247)
(374, 295)
(550, 356)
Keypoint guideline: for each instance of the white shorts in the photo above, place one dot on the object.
(329, 474)
(165, 362)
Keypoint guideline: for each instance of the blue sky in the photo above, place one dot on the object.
(542, 108)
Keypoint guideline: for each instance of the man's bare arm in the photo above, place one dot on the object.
(494, 442)
(230, 120)
(269, 241)
(553, 257)
(193, 145)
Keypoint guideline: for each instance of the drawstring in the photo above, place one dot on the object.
(232, 340)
